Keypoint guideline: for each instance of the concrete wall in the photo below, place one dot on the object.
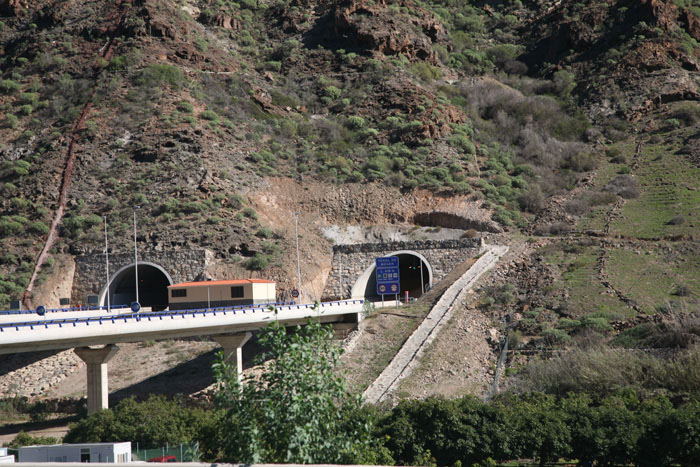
(351, 261)
(181, 266)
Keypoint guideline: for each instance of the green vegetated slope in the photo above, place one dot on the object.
(669, 200)
(640, 257)
(188, 105)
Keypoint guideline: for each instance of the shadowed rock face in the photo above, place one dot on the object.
(12, 7)
(454, 221)
(374, 27)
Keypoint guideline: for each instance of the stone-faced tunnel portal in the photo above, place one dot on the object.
(352, 272)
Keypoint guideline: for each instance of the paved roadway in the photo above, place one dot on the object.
(17, 316)
(37, 333)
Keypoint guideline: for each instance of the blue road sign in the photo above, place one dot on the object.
(387, 272)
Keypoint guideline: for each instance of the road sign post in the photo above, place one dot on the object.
(387, 274)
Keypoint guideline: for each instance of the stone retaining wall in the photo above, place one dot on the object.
(350, 261)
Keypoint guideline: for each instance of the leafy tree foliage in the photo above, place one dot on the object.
(25, 439)
(617, 430)
(464, 430)
(298, 410)
(154, 422)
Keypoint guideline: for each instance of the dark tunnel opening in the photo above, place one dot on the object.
(153, 288)
(413, 277)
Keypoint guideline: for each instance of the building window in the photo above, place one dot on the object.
(175, 293)
(237, 292)
(84, 454)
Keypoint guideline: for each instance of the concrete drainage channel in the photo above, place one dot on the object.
(407, 358)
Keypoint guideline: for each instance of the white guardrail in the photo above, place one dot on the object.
(24, 335)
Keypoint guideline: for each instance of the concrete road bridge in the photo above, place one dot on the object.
(230, 326)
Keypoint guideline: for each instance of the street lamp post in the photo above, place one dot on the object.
(136, 258)
(422, 285)
(107, 263)
(296, 228)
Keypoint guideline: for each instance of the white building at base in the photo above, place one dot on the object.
(5, 457)
(88, 452)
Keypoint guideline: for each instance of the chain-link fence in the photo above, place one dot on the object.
(186, 452)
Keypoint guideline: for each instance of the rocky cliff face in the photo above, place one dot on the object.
(385, 31)
(641, 53)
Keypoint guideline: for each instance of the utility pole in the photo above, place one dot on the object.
(136, 258)
(296, 228)
(107, 263)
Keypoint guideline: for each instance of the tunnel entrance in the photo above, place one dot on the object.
(153, 287)
(415, 276)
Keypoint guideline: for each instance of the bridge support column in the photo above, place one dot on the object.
(232, 345)
(97, 389)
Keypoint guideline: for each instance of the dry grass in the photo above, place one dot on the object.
(604, 370)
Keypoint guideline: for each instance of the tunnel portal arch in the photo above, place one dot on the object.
(410, 265)
(153, 286)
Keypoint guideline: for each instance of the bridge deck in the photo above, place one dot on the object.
(61, 333)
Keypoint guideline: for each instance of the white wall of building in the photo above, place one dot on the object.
(89, 452)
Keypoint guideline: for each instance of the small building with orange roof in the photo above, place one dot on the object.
(212, 294)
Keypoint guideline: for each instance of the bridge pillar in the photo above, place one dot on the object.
(232, 345)
(96, 360)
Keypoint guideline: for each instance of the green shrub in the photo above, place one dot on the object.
(554, 335)
(154, 422)
(191, 207)
(19, 167)
(273, 65)
(462, 142)
(29, 98)
(257, 262)
(26, 109)
(264, 232)
(25, 439)
(332, 92)
(9, 86)
(355, 122)
(186, 107)
(38, 227)
(11, 121)
(688, 112)
(598, 324)
(9, 226)
(425, 71)
(250, 213)
(160, 74)
(209, 115)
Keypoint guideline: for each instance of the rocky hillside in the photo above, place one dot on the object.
(218, 118)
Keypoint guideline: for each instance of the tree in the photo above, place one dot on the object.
(154, 422)
(25, 439)
(298, 410)
(465, 430)
(540, 427)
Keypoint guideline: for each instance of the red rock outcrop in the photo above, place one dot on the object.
(374, 27)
